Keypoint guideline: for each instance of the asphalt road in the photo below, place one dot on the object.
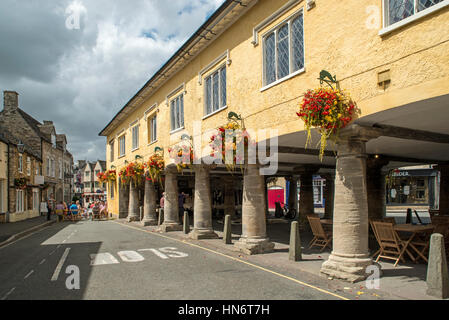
(117, 262)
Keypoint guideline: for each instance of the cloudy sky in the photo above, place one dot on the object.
(81, 72)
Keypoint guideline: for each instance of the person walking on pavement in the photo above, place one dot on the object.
(49, 210)
(60, 211)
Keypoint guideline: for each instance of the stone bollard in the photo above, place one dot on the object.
(227, 232)
(295, 252)
(186, 228)
(437, 273)
(161, 217)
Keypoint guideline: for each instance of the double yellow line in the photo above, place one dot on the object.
(238, 260)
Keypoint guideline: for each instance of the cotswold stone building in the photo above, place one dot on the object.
(54, 172)
(258, 58)
(22, 194)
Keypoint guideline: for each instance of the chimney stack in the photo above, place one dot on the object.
(10, 100)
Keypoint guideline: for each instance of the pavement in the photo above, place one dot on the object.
(15, 230)
(406, 281)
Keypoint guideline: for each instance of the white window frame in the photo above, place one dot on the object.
(48, 171)
(28, 166)
(173, 125)
(111, 151)
(20, 163)
(388, 28)
(274, 31)
(36, 201)
(122, 146)
(135, 133)
(211, 75)
(53, 141)
(60, 169)
(20, 201)
(152, 128)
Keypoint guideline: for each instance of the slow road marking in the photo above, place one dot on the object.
(60, 265)
(238, 260)
(101, 259)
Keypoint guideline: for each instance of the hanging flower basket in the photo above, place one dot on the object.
(328, 110)
(133, 172)
(155, 166)
(235, 129)
(21, 183)
(182, 154)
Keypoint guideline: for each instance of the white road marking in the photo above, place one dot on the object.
(174, 254)
(64, 241)
(9, 292)
(130, 256)
(29, 274)
(102, 259)
(42, 262)
(156, 252)
(52, 252)
(60, 265)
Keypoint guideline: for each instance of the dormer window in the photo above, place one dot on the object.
(53, 140)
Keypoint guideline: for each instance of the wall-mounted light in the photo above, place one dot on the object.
(20, 147)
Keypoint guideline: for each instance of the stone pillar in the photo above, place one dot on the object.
(229, 197)
(329, 190)
(171, 216)
(444, 190)
(254, 232)
(202, 211)
(149, 207)
(133, 208)
(375, 184)
(123, 199)
(306, 203)
(350, 256)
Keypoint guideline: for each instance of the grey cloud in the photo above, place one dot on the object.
(81, 78)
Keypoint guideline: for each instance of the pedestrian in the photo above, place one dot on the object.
(60, 211)
(162, 202)
(74, 211)
(49, 210)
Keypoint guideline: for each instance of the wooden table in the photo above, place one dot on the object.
(414, 230)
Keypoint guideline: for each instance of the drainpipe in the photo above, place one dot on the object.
(7, 187)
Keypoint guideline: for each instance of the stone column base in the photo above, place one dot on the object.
(170, 227)
(254, 246)
(133, 218)
(200, 234)
(149, 222)
(351, 269)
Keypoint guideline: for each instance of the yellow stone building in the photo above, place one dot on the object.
(257, 58)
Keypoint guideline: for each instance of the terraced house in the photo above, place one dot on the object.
(54, 172)
(257, 59)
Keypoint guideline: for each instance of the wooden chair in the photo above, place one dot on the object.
(391, 246)
(321, 238)
(375, 235)
(390, 220)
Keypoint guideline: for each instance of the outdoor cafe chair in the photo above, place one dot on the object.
(391, 246)
(321, 238)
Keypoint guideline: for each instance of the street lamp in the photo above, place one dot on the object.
(20, 146)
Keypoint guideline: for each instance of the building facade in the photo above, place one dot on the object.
(89, 186)
(54, 171)
(257, 59)
(22, 182)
